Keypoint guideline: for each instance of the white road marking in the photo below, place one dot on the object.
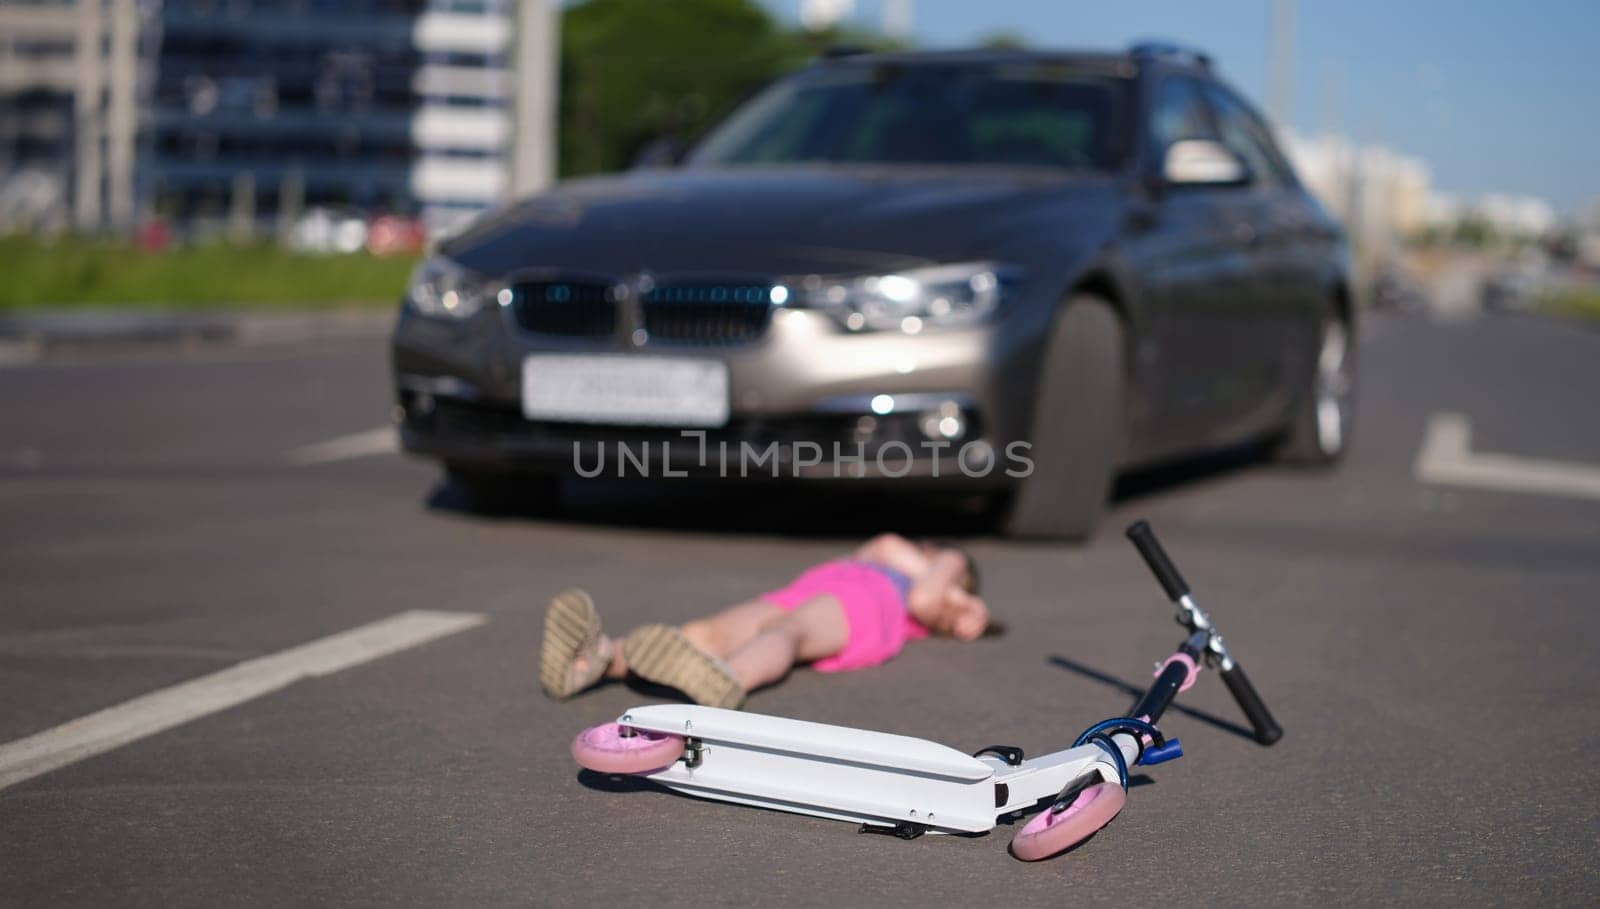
(1447, 458)
(161, 710)
(378, 441)
(18, 353)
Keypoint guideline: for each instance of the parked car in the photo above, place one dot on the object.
(1068, 264)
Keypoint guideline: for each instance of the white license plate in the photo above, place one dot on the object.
(631, 390)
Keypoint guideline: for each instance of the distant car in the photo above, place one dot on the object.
(1060, 265)
(1394, 288)
(1514, 286)
(323, 230)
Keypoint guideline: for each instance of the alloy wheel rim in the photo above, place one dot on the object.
(1333, 386)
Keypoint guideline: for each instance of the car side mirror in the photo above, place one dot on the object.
(1202, 162)
(660, 153)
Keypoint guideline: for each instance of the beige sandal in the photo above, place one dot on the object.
(572, 631)
(661, 654)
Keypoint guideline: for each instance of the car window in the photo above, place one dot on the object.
(959, 114)
(1178, 113)
(1244, 133)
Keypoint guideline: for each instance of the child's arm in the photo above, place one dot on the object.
(940, 573)
(969, 615)
(929, 575)
(952, 612)
(894, 551)
(936, 592)
(936, 599)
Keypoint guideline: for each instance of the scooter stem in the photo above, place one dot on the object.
(1215, 651)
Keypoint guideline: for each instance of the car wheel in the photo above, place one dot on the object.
(1079, 421)
(493, 493)
(1324, 412)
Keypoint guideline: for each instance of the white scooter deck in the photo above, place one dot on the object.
(856, 775)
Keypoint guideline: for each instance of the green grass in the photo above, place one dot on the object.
(81, 272)
(1582, 302)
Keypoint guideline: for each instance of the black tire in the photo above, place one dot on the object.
(1320, 423)
(495, 493)
(1079, 424)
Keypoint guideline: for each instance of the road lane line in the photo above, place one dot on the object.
(1446, 458)
(18, 353)
(378, 441)
(161, 710)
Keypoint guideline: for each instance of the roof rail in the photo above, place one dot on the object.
(1171, 51)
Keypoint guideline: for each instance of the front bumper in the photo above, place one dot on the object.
(809, 401)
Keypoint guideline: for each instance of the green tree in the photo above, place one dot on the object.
(1003, 40)
(1475, 231)
(636, 70)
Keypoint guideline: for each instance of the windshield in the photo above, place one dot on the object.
(1037, 114)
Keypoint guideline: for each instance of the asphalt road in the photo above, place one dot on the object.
(1430, 650)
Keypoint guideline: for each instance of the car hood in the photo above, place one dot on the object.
(782, 221)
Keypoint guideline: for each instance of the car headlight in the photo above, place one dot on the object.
(939, 296)
(443, 289)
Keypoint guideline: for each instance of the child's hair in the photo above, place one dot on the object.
(972, 584)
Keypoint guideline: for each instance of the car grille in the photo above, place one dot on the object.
(681, 313)
(707, 313)
(582, 309)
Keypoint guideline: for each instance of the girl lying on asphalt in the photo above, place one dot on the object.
(846, 614)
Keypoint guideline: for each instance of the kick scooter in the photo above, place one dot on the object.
(909, 786)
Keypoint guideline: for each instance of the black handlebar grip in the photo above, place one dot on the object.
(1144, 539)
(1267, 728)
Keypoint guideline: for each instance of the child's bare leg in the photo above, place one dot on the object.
(718, 635)
(732, 628)
(814, 630)
(618, 667)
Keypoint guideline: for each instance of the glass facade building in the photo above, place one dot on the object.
(265, 108)
(374, 105)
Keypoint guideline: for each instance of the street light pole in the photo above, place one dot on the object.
(898, 18)
(1280, 74)
(536, 75)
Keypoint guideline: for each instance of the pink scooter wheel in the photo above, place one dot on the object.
(1047, 834)
(614, 748)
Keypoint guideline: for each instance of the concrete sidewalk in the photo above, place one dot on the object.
(28, 334)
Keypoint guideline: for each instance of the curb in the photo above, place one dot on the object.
(41, 330)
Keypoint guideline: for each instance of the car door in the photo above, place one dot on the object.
(1190, 266)
(1279, 292)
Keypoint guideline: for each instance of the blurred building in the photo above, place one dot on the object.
(66, 119)
(1504, 214)
(1385, 198)
(1510, 215)
(1381, 197)
(248, 112)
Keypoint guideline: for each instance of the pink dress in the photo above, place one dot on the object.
(874, 602)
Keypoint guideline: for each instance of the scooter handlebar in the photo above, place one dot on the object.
(1266, 728)
(1144, 539)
